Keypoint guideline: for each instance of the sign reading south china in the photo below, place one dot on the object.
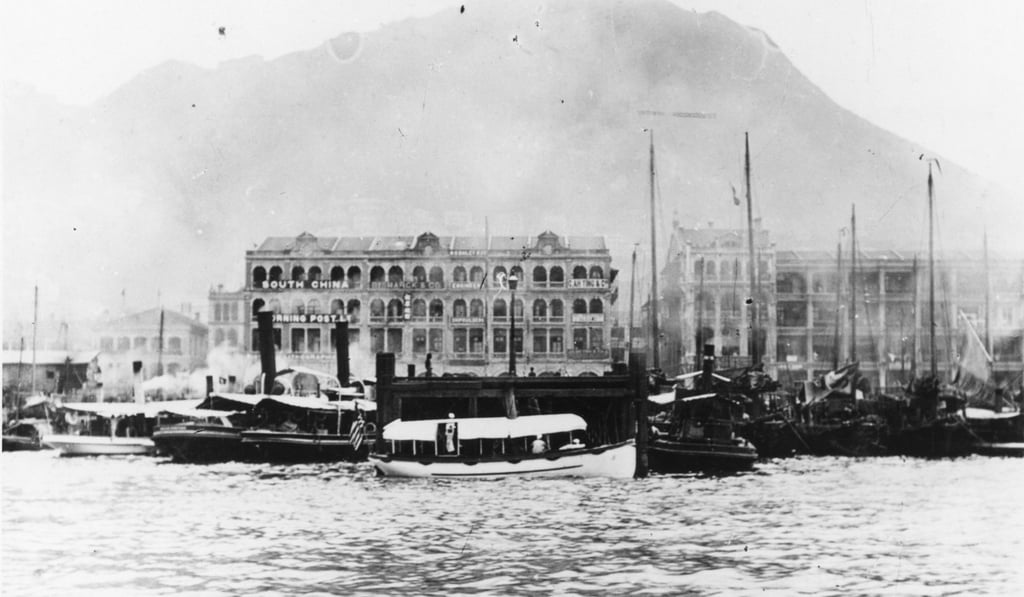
(303, 285)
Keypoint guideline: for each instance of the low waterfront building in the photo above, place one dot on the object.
(55, 371)
(449, 297)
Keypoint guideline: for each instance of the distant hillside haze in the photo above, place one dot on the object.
(531, 116)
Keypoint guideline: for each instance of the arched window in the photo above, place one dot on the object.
(299, 307)
(459, 308)
(596, 273)
(579, 273)
(698, 268)
(437, 275)
(298, 273)
(395, 275)
(556, 277)
(257, 306)
(218, 337)
(315, 274)
(376, 274)
(459, 274)
(418, 273)
(557, 310)
(353, 310)
(500, 308)
(419, 310)
(476, 274)
(232, 337)
(579, 306)
(518, 272)
(436, 310)
(540, 276)
(337, 306)
(709, 269)
(476, 308)
(355, 276)
(337, 274)
(259, 275)
(596, 305)
(276, 273)
(500, 273)
(313, 306)
(396, 309)
(519, 308)
(540, 310)
(376, 309)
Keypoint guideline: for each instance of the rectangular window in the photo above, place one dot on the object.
(519, 340)
(313, 339)
(579, 339)
(459, 340)
(436, 341)
(298, 339)
(500, 340)
(376, 340)
(540, 341)
(476, 340)
(557, 341)
(596, 339)
(419, 341)
(394, 340)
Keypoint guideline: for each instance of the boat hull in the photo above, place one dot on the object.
(281, 446)
(87, 445)
(669, 456)
(19, 443)
(616, 461)
(200, 443)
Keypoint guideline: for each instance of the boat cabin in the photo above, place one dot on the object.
(486, 437)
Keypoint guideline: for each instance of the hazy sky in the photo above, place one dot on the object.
(944, 74)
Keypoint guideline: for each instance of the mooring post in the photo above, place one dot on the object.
(638, 379)
(385, 377)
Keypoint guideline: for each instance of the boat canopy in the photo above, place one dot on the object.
(127, 409)
(230, 401)
(664, 397)
(319, 404)
(485, 427)
(693, 374)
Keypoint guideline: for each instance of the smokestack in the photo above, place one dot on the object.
(708, 366)
(140, 395)
(209, 385)
(265, 329)
(341, 349)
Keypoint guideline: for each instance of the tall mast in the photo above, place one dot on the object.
(35, 331)
(917, 329)
(839, 300)
(753, 262)
(160, 347)
(931, 274)
(988, 296)
(853, 284)
(655, 361)
(700, 317)
(21, 351)
(632, 287)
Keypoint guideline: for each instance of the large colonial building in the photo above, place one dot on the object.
(804, 317)
(451, 297)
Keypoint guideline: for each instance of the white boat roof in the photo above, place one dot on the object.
(693, 374)
(664, 397)
(485, 427)
(125, 409)
(230, 401)
(981, 414)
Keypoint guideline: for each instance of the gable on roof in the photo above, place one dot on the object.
(427, 243)
(305, 244)
(548, 242)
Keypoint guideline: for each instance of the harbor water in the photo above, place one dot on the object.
(803, 526)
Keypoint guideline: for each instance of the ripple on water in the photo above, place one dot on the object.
(792, 527)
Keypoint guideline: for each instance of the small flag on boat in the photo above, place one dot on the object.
(355, 433)
(735, 198)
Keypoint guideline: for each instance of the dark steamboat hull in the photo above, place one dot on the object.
(289, 447)
(940, 439)
(670, 456)
(200, 443)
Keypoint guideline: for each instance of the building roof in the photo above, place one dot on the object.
(307, 244)
(151, 318)
(49, 357)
